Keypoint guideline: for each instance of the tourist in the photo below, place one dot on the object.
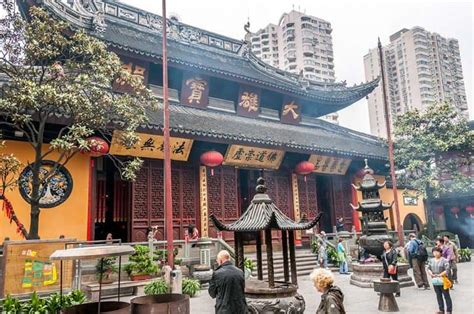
(447, 252)
(341, 252)
(227, 286)
(323, 254)
(453, 267)
(438, 269)
(389, 261)
(193, 232)
(332, 297)
(340, 224)
(417, 256)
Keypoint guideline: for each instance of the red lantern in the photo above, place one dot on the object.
(470, 210)
(97, 146)
(455, 211)
(212, 159)
(439, 211)
(304, 168)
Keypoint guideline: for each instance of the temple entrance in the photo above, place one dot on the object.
(112, 202)
(412, 222)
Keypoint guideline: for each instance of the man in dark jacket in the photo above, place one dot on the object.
(228, 287)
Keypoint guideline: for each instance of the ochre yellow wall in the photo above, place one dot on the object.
(69, 218)
(387, 197)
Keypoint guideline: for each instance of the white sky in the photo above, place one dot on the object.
(356, 25)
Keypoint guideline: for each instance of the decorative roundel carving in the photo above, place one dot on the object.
(56, 189)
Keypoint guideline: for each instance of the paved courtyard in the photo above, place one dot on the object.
(359, 300)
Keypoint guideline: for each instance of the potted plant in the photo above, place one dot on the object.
(141, 266)
(104, 272)
(249, 266)
(191, 286)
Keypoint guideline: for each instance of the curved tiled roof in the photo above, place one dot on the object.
(263, 214)
(131, 29)
(321, 137)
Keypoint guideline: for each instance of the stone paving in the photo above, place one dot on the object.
(363, 300)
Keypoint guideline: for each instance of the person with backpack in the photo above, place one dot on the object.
(418, 256)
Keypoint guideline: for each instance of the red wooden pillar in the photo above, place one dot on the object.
(355, 214)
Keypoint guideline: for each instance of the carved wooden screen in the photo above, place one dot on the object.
(223, 198)
(341, 199)
(279, 189)
(147, 201)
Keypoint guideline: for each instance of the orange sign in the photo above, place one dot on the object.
(330, 164)
(151, 146)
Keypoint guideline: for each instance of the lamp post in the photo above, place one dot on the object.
(390, 149)
(166, 147)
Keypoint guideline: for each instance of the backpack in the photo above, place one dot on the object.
(421, 253)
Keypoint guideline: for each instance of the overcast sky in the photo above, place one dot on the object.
(356, 25)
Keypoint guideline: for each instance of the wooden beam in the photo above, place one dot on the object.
(291, 239)
(268, 243)
(286, 270)
(259, 256)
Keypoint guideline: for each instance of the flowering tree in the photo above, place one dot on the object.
(53, 71)
(434, 151)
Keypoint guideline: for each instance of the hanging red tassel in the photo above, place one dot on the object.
(10, 213)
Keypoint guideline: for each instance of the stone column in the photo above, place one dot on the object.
(291, 239)
(259, 256)
(268, 243)
(284, 240)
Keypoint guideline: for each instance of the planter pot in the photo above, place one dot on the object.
(140, 277)
(161, 304)
(111, 307)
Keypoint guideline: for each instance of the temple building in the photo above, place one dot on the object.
(222, 99)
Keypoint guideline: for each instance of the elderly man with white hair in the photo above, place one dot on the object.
(227, 286)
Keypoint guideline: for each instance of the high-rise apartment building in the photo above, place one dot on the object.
(300, 43)
(421, 68)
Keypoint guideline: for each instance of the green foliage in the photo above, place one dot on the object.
(425, 146)
(315, 247)
(141, 263)
(333, 257)
(51, 305)
(158, 286)
(464, 255)
(11, 305)
(401, 259)
(249, 264)
(162, 255)
(52, 69)
(191, 286)
(108, 267)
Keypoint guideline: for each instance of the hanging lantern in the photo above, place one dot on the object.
(97, 146)
(212, 159)
(304, 168)
(455, 211)
(470, 210)
(439, 211)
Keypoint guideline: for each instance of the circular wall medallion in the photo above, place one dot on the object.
(56, 189)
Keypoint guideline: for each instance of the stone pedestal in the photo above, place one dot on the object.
(387, 288)
(363, 275)
(284, 298)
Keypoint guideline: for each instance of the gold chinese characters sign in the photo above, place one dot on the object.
(195, 90)
(249, 101)
(254, 157)
(330, 164)
(151, 146)
(136, 68)
(290, 111)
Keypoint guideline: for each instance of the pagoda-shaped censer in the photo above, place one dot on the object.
(374, 228)
(263, 216)
(374, 234)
